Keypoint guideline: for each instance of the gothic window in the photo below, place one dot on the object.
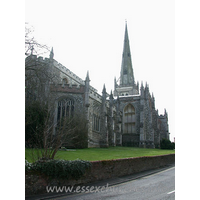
(129, 119)
(96, 116)
(96, 123)
(64, 82)
(65, 109)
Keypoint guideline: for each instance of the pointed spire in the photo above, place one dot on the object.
(138, 85)
(87, 88)
(104, 89)
(127, 77)
(115, 82)
(126, 32)
(111, 100)
(146, 91)
(142, 90)
(104, 99)
(166, 113)
(146, 86)
(111, 95)
(51, 54)
(142, 84)
(87, 77)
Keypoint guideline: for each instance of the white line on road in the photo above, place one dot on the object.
(171, 192)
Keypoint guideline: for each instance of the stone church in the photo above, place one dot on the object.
(126, 117)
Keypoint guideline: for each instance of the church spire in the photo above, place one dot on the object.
(127, 77)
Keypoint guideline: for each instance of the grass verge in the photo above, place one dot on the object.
(94, 154)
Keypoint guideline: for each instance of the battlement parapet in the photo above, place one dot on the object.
(95, 95)
(62, 68)
(68, 72)
(161, 116)
(37, 59)
(68, 88)
(93, 89)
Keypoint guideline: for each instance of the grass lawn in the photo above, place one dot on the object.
(110, 153)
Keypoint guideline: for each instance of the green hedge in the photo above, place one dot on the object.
(167, 144)
(59, 168)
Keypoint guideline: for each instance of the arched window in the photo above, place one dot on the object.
(64, 82)
(96, 116)
(96, 123)
(65, 109)
(129, 119)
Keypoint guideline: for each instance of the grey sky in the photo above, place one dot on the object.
(88, 35)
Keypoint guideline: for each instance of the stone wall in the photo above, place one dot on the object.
(120, 167)
(100, 170)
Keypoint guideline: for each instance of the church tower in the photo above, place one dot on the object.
(126, 85)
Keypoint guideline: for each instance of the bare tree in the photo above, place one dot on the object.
(42, 130)
(32, 46)
(69, 132)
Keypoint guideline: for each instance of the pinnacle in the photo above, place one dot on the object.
(87, 76)
(51, 53)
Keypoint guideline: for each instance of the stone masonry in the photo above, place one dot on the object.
(125, 117)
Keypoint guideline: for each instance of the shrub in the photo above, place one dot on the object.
(166, 144)
(173, 145)
(27, 165)
(61, 168)
(35, 116)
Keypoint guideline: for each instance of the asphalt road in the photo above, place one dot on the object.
(158, 186)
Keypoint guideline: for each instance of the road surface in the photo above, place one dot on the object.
(158, 186)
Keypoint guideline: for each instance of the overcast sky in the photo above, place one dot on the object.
(88, 35)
